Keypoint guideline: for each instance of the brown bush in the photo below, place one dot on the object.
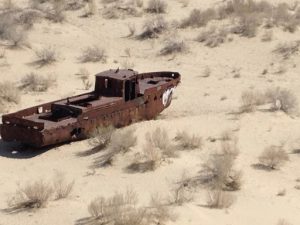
(153, 28)
(273, 157)
(37, 83)
(32, 196)
(156, 6)
(187, 141)
(93, 54)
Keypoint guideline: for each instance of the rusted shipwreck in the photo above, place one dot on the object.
(120, 97)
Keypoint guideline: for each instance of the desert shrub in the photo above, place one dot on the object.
(32, 196)
(83, 75)
(101, 137)
(122, 209)
(27, 18)
(9, 93)
(213, 37)
(156, 6)
(93, 54)
(15, 35)
(153, 27)
(218, 171)
(2, 53)
(219, 199)
(157, 147)
(46, 56)
(61, 187)
(173, 45)
(267, 36)
(250, 100)
(283, 222)
(180, 193)
(288, 49)
(198, 18)
(37, 83)
(273, 157)
(73, 5)
(121, 142)
(187, 141)
(57, 12)
(282, 99)
(132, 29)
(246, 26)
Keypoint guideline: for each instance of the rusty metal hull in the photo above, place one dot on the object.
(121, 97)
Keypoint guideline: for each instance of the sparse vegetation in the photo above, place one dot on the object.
(213, 37)
(273, 157)
(8, 94)
(62, 188)
(153, 27)
(156, 6)
(282, 99)
(32, 196)
(283, 222)
(120, 141)
(46, 56)
(198, 18)
(286, 50)
(218, 171)
(267, 36)
(93, 54)
(219, 199)
(37, 83)
(123, 209)
(246, 26)
(83, 75)
(101, 137)
(172, 46)
(187, 141)
(250, 100)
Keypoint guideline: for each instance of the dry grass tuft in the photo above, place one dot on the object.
(198, 18)
(37, 83)
(123, 209)
(101, 137)
(267, 36)
(32, 196)
(218, 171)
(273, 157)
(213, 37)
(61, 187)
(157, 6)
(250, 100)
(282, 99)
(247, 26)
(93, 54)
(187, 141)
(219, 199)
(153, 28)
(46, 56)
(172, 46)
(9, 93)
(121, 141)
(84, 76)
(286, 50)
(283, 222)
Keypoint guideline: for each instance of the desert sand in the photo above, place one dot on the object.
(202, 105)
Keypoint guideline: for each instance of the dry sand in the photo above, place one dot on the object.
(197, 108)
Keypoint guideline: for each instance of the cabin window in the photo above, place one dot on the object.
(106, 83)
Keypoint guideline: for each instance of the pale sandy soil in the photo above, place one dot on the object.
(197, 108)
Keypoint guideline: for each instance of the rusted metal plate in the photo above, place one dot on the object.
(120, 98)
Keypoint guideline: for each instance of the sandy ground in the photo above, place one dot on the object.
(197, 107)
